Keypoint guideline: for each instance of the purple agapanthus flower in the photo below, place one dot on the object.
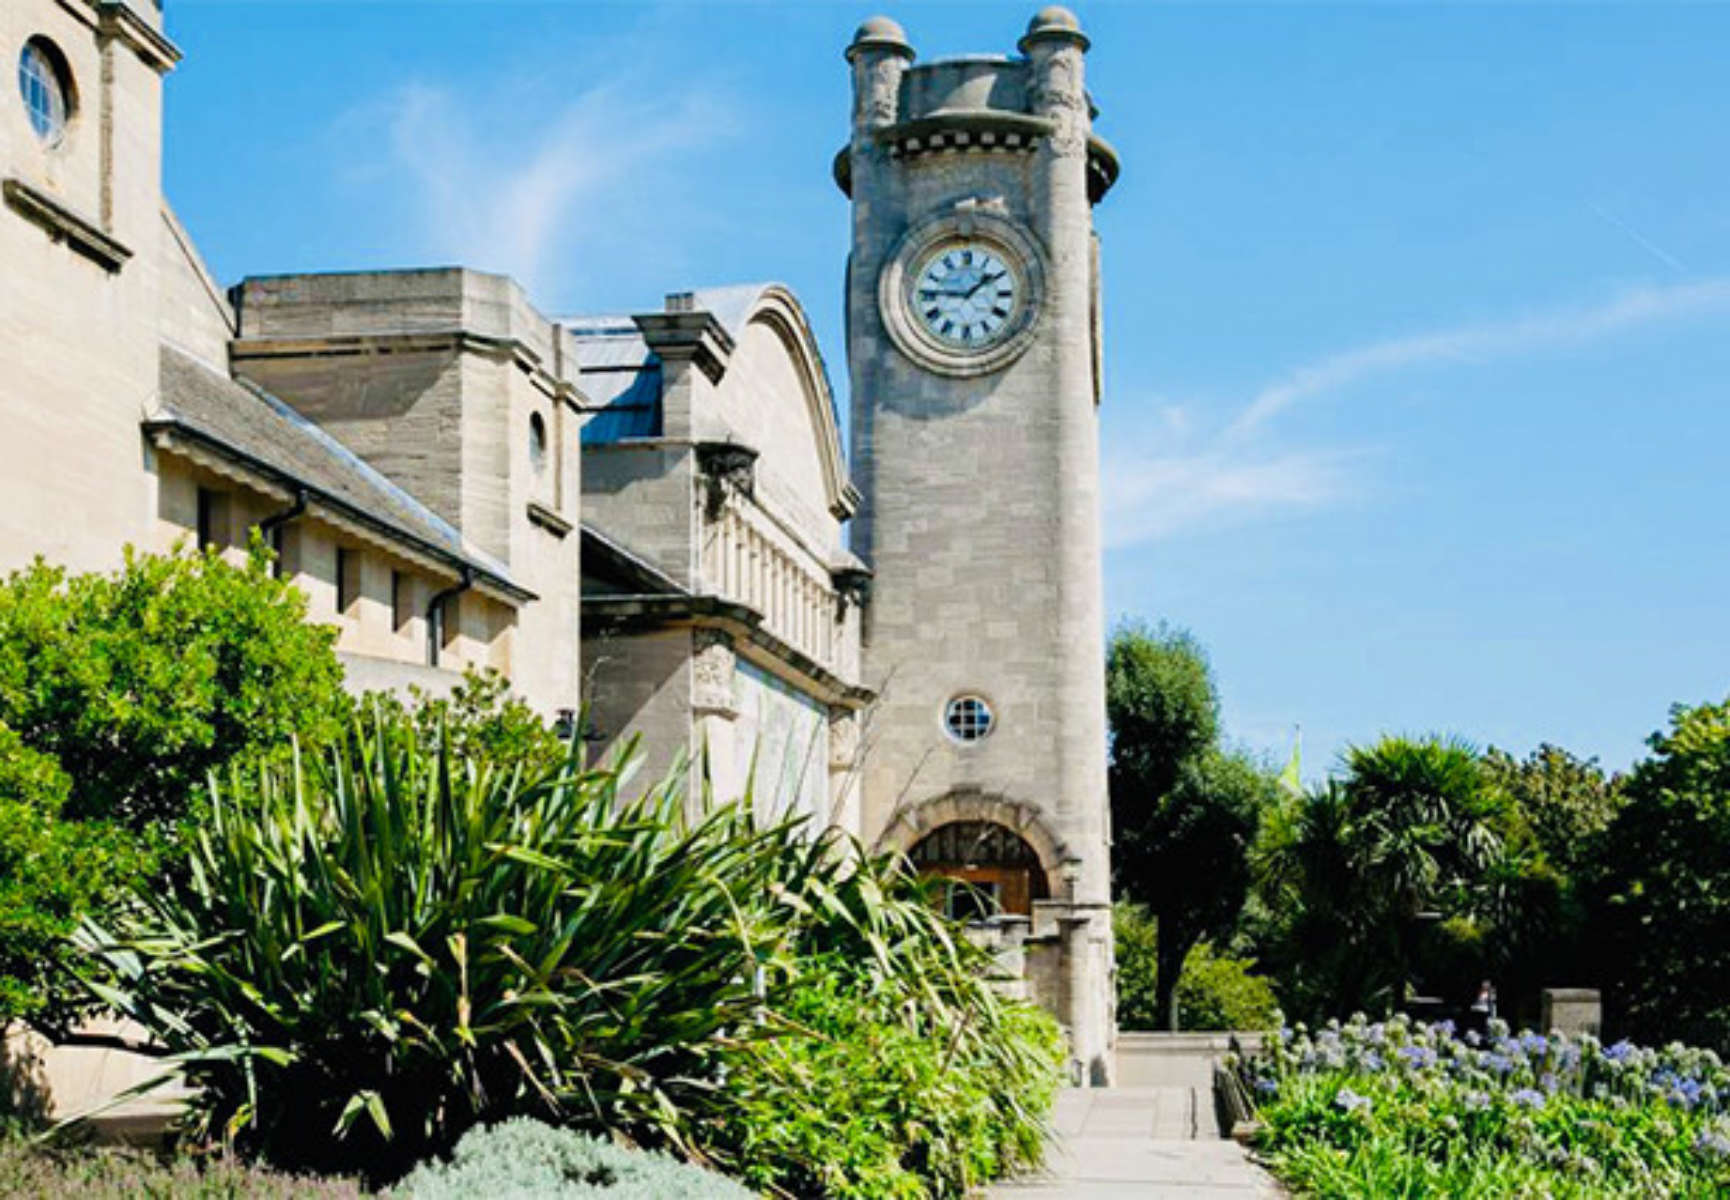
(1350, 1101)
(1527, 1098)
(1620, 1052)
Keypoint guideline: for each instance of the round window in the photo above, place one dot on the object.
(46, 86)
(537, 442)
(968, 718)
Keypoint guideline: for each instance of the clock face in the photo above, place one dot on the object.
(965, 293)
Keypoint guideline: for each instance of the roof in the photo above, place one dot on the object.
(248, 425)
(622, 377)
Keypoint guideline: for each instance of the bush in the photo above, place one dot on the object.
(1403, 1109)
(521, 1157)
(140, 683)
(396, 944)
(480, 719)
(114, 1174)
(1214, 992)
(51, 872)
(872, 1096)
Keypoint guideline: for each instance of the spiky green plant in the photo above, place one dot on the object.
(375, 950)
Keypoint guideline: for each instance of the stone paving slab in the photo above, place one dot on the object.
(1140, 1142)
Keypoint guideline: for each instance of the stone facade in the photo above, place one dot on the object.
(720, 608)
(648, 513)
(980, 477)
(126, 425)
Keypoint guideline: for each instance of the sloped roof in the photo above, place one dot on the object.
(248, 425)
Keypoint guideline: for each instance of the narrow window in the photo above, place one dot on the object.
(401, 600)
(347, 579)
(212, 519)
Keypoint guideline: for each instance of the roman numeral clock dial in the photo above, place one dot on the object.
(965, 294)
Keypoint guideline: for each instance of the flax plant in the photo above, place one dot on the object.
(375, 949)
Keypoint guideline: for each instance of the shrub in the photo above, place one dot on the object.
(141, 682)
(114, 1174)
(874, 1096)
(1214, 992)
(51, 872)
(480, 719)
(521, 1157)
(395, 945)
(1219, 992)
(1399, 1108)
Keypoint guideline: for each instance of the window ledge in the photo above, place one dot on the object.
(547, 519)
(64, 225)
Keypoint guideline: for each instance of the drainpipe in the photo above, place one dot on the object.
(270, 529)
(435, 614)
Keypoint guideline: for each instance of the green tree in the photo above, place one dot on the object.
(1665, 885)
(1184, 813)
(1568, 802)
(140, 683)
(1392, 873)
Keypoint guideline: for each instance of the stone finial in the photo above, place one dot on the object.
(1054, 23)
(879, 33)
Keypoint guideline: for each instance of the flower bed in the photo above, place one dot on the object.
(1408, 1109)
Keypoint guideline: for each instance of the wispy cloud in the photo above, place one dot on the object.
(1482, 342)
(1179, 477)
(1147, 498)
(595, 170)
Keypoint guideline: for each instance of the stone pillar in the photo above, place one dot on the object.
(713, 711)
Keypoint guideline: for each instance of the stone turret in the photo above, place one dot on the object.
(973, 320)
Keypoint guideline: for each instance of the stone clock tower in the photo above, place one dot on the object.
(973, 348)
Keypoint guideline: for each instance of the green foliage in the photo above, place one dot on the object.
(1184, 813)
(141, 682)
(873, 1094)
(1665, 883)
(481, 719)
(396, 945)
(376, 949)
(1214, 992)
(521, 1157)
(117, 1174)
(1414, 868)
(1567, 802)
(1400, 1109)
(1163, 709)
(51, 872)
(1220, 992)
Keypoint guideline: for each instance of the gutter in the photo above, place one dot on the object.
(172, 428)
(435, 614)
(271, 527)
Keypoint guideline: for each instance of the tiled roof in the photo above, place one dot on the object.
(250, 426)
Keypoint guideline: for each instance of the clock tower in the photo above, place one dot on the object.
(973, 351)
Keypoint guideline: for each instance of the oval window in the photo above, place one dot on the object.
(968, 718)
(46, 87)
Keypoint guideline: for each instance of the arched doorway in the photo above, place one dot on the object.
(1003, 871)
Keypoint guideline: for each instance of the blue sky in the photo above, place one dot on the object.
(1418, 375)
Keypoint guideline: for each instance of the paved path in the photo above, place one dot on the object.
(1151, 1143)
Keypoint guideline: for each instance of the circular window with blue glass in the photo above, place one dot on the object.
(45, 84)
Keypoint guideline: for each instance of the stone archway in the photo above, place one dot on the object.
(913, 824)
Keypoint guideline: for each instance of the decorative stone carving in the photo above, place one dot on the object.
(1059, 96)
(852, 587)
(712, 662)
(728, 469)
(843, 739)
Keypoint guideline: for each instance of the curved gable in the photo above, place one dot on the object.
(775, 396)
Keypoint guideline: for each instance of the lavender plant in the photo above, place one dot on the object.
(1404, 1108)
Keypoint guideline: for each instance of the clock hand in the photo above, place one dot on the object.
(985, 279)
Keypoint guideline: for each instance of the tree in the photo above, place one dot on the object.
(1398, 870)
(1665, 885)
(1568, 802)
(1184, 813)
